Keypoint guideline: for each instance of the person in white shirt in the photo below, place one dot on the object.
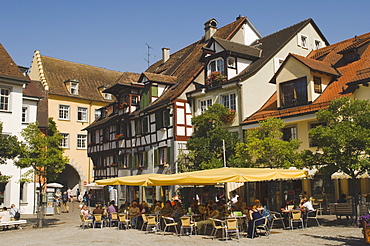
(306, 205)
(13, 211)
(4, 215)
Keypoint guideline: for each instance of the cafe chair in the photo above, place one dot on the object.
(122, 220)
(312, 215)
(296, 217)
(145, 221)
(151, 223)
(261, 227)
(114, 218)
(232, 227)
(85, 222)
(186, 223)
(168, 222)
(217, 225)
(98, 220)
(276, 216)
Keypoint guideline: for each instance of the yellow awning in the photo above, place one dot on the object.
(207, 177)
(342, 175)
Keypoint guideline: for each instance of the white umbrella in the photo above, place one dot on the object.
(54, 185)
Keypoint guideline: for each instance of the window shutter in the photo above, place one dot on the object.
(146, 159)
(154, 91)
(169, 155)
(158, 120)
(155, 156)
(136, 160)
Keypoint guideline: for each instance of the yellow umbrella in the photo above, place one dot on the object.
(225, 175)
(135, 180)
(112, 181)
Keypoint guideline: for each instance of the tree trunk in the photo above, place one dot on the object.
(354, 193)
(41, 222)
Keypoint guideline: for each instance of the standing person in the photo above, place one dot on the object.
(78, 192)
(14, 213)
(80, 199)
(57, 204)
(134, 214)
(65, 202)
(70, 196)
(86, 198)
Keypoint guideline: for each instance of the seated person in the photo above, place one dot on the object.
(158, 207)
(4, 215)
(177, 212)
(238, 206)
(213, 213)
(167, 210)
(112, 208)
(99, 210)
(134, 213)
(306, 206)
(343, 199)
(85, 212)
(254, 214)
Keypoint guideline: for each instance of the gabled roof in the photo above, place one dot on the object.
(272, 44)
(314, 65)
(185, 64)
(159, 78)
(57, 71)
(239, 48)
(128, 78)
(8, 68)
(355, 71)
(34, 89)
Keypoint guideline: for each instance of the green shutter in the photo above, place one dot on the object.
(154, 91)
(169, 155)
(136, 160)
(155, 156)
(146, 159)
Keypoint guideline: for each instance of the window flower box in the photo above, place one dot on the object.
(119, 137)
(123, 105)
(215, 79)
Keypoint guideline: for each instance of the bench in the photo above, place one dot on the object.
(13, 222)
(345, 209)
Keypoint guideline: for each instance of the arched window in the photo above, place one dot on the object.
(216, 65)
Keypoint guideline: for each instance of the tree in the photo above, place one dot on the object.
(344, 142)
(264, 147)
(9, 146)
(206, 143)
(44, 154)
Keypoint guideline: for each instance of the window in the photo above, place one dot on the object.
(317, 44)
(81, 141)
(63, 112)
(216, 65)
(303, 41)
(24, 114)
(162, 156)
(204, 104)
(97, 113)
(293, 93)
(145, 124)
(107, 96)
(4, 99)
(64, 143)
(317, 84)
(134, 100)
(73, 88)
(289, 133)
(162, 118)
(123, 161)
(229, 101)
(138, 127)
(82, 114)
(231, 62)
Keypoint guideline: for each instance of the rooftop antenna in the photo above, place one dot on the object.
(148, 54)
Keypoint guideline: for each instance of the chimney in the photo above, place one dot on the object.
(210, 28)
(165, 54)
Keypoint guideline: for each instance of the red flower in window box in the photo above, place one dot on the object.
(118, 137)
(123, 105)
(215, 79)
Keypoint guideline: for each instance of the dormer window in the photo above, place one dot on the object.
(216, 65)
(303, 41)
(107, 96)
(317, 44)
(73, 88)
(293, 93)
(317, 84)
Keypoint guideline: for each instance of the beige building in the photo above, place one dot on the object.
(74, 93)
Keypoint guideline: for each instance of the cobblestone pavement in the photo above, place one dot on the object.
(65, 229)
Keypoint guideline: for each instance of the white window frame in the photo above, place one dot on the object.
(204, 104)
(277, 63)
(82, 114)
(300, 39)
(64, 143)
(162, 156)
(24, 114)
(219, 66)
(81, 141)
(73, 88)
(64, 111)
(318, 44)
(107, 96)
(229, 100)
(293, 132)
(5, 99)
(97, 113)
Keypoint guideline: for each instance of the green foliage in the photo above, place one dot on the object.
(9, 146)
(205, 145)
(265, 148)
(5, 178)
(43, 152)
(344, 143)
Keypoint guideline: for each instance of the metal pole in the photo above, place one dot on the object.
(223, 146)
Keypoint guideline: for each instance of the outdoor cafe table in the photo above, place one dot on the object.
(288, 213)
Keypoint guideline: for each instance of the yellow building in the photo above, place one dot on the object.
(74, 94)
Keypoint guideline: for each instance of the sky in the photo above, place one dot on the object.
(115, 34)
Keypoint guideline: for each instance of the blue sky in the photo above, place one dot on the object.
(113, 34)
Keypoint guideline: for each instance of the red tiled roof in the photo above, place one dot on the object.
(351, 72)
(8, 68)
(316, 65)
(160, 78)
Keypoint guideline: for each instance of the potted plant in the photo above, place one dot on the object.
(215, 79)
(123, 105)
(364, 222)
(119, 137)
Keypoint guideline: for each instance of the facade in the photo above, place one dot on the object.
(248, 65)
(146, 129)
(305, 85)
(73, 96)
(19, 98)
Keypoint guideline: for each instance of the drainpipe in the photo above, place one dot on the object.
(239, 90)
